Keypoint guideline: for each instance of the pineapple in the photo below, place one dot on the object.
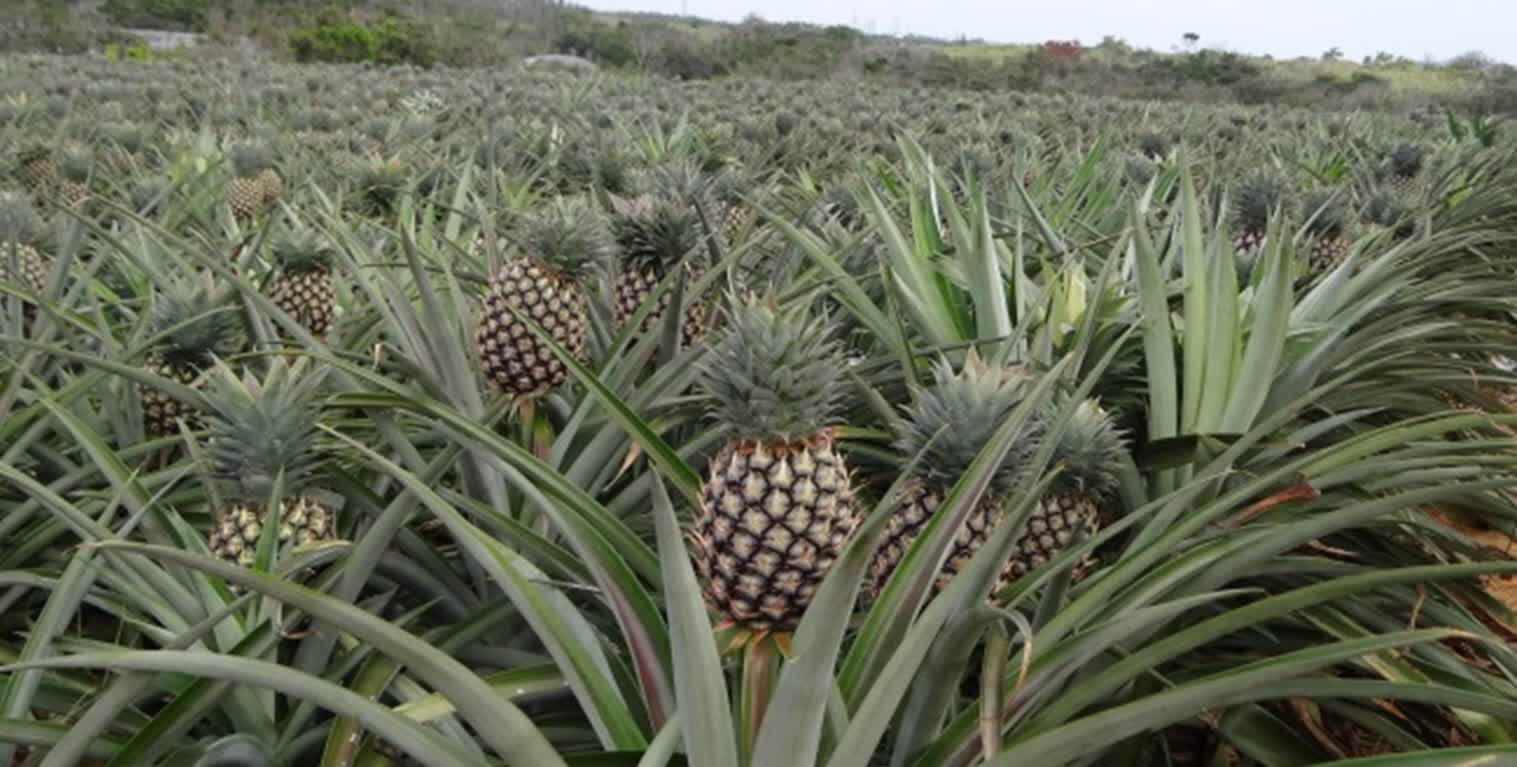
(560, 245)
(262, 430)
(777, 505)
(245, 191)
(124, 141)
(73, 189)
(1387, 212)
(379, 183)
(272, 185)
(654, 234)
(193, 323)
(302, 283)
(948, 426)
(1089, 455)
(1404, 168)
(21, 229)
(1255, 198)
(1328, 229)
(36, 169)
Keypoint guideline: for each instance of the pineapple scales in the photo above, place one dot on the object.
(260, 431)
(777, 504)
(948, 425)
(302, 281)
(560, 245)
(654, 234)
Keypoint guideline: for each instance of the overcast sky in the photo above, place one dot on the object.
(1284, 28)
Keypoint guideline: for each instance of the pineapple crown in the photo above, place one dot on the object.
(1387, 210)
(19, 222)
(653, 232)
(262, 427)
(773, 376)
(1153, 146)
(1405, 160)
(379, 182)
(955, 417)
(1256, 198)
(1090, 451)
(148, 194)
(34, 153)
(195, 320)
(124, 135)
(249, 159)
(299, 248)
(1329, 213)
(567, 235)
(1139, 169)
(76, 163)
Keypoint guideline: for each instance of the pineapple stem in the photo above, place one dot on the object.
(992, 676)
(759, 665)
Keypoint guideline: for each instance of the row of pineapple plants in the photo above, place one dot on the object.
(974, 446)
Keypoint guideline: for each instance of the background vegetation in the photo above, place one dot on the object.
(479, 33)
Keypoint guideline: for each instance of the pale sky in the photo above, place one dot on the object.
(1417, 29)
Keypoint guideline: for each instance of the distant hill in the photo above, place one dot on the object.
(496, 32)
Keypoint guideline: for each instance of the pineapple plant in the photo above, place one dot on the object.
(194, 323)
(302, 282)
(245, 190)
(777, 503)
(1255, 198)
(1403, 168)
(654, 234)
(75, 169)
(561, 245)
(263, 431)
(1328, 229)
(948, 425)
(1089, 455)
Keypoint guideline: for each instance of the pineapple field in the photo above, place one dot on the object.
(364, 416)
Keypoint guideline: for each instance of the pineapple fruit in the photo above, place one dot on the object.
(654, 235)
(194, 323)
(1089, 455)
(1255, 198)
(1328, 229)
(1404, 169)
(947, 426)
(245, 190)
(36, 169)
(560, 246)
(302, 283)
(74, 169)
(262, 430)
(21, 229)
(777, 504)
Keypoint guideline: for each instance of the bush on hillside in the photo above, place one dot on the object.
(181, 15)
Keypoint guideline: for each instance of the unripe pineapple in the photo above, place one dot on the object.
(1328, 228)
(36, 169)
(75, 169)
(1403, 167)
(777, 505)
(262, 430)
(1088, 457)
(654, 235)
(302, 282)
(245, 191)
(1386, 211)
(1256, 197)
(948, 425)
(560, 246)
(194, 323)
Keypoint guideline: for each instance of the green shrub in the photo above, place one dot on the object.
(607, 44)
(334, 37)
(180, 14)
